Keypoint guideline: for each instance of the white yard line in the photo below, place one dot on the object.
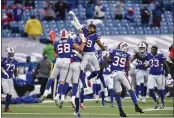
(91, 114)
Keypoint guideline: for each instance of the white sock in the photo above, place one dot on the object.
(62, 97)
(46, 93)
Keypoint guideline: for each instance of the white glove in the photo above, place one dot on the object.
(169, 76)
(71, 13)
(82, 37)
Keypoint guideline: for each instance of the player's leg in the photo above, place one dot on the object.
(111, 89)
(125, 81)
(142, 84)
(81, 96)
(145, 86)
(82, 71)
(75, 80)
(139, 77)
(160, 85)
(50, 81)
(63, 86)
(6, 91)
(77, 103)
(151, 85)
(93, 60)
(117, 88)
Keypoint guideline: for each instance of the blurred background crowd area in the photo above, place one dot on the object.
(35, 18)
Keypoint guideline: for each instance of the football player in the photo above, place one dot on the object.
(156, 61)
(89, 49)
(8, 71)
(63, 49)
(120, 67)
(141, 73)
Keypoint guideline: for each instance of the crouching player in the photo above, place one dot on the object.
(8, 68)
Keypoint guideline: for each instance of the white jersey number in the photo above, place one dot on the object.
(89, 43)
(64, 48)
(119, 61)
(154, 63)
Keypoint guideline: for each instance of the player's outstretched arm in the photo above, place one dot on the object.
(75, 19)
(79, 47)
(100, 44)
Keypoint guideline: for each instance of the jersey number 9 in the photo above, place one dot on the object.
(89, 43)
(64, 48)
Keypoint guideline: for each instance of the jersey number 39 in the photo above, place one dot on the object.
(119, 61)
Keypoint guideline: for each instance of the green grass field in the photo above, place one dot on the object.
(92, 110)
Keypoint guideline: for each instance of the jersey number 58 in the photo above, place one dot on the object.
(63, 48)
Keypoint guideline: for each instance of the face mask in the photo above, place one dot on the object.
(28, 60)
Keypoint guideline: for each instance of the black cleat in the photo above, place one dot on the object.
(122, 114)
(61, 105)
(137, 109)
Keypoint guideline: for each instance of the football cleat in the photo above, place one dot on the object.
(82, 106)
(155, 105)
(61, 105)
(42, 98)
(144, 100)
(122, 114)
(78, 114)
(112, 105)
(7, 110)
(161, 106)
(137, 109)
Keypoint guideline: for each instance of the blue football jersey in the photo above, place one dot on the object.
(107, 69)
(156, 63)
(9, 65)
(90, 43)
(75, 58)
(119, 60)
(141, 64)
(64, 48)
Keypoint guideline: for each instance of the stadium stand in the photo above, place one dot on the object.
(110, 26)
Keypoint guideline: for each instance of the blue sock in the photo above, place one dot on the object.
(49, 83)
(133, 97)
(74, 90)
(77, 105)
(8, 101)
(152, 93)
(142, 89)
(161, 92)
(118, 100)
(137, 89)
(82, 96)
(102, 96)
(111, 92)
(69, 89)
(98, 87)
(94, 88)
(145, 90)
(82, 78)
(65, 88)
(93, 74)
(103, 81)
(60, 89)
